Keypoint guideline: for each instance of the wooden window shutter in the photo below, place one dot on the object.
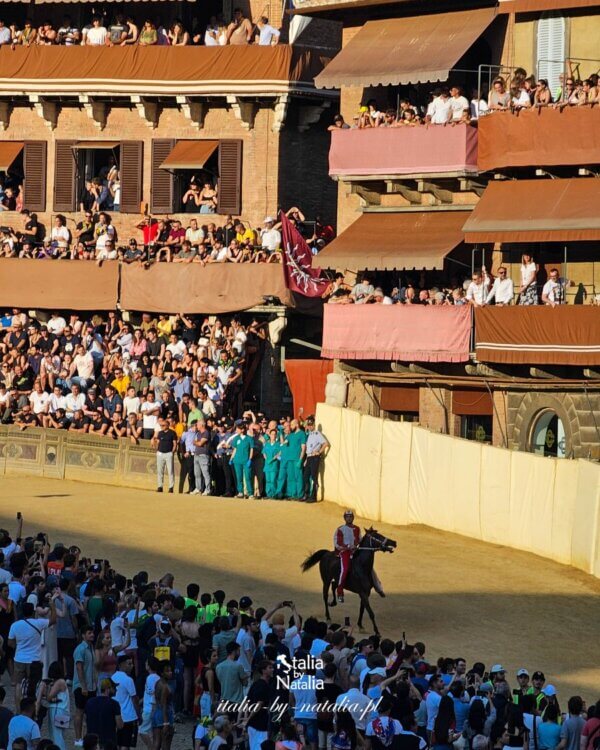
(65, 177)
(230, 178)
(161, 191)
(132, 154)
(34, 167)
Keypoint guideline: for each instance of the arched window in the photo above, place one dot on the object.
(548, 435)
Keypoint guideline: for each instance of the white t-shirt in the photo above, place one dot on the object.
(39, 401)
(107, 233)
(267, 34)
(28, 635)
(271, 239)
(246, 643)
(177, 349)
(16, 591)
(432, 703)
(149, 690)
(131, 405)
(56, 325)
(441, 111)
(150, 421)
(56, 402)
(97, 36)
(130, 617)
(458, 106)
(84, 364)
(555, 290)
(195, 236)
(522, 100)
(125, 694)
(118, 632)
(60, 235)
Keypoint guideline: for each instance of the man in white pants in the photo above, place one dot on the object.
(165, 443)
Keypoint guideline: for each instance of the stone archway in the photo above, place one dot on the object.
(533, 405)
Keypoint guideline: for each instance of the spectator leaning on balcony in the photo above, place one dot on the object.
(528, 290)
(478, 289)
(503, 290)
(439, 111)
(499, 97)
(542, 96)
(554, 290)
(459, 105)
(97, 35)
(267, 35)
(240, 29)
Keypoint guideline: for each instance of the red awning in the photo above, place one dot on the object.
(190, 154)
(9, 150)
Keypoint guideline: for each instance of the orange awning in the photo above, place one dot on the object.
(536, 6)
(9, 150)
(190, 154)
(409, 239)
(536, 211)
(414, 49)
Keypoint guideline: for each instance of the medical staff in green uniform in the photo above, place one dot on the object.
(293, 448)
(271, 451)
(241, 459)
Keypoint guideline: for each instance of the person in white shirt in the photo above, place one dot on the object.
(26, 636)
(60, 234)
(270, 238)
(126, 695)
(131, 402)
(503, 289)
(149, 700)
(478, 289)
(56, 325)
(176, 346)
(84, 364)
(96, 36)
(356, 703)
(478, 106)
(268, 36)
(150, 411)
(5, 35)
(211, 35)
(440, 109)
(74, 401)
(554, 290)
(520, 98)
(458, 105)
(433, 700)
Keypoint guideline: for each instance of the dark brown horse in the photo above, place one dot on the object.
(360, 577)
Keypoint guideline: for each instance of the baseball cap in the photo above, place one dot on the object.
(245, 602)
(538, 676)
(486, 687)
(522, 673)
(96, 568)
(549, 690)
(497, 668)
(379, 671)
(107, 683)
(269, 220)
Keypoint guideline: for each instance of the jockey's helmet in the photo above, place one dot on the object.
(348, 513)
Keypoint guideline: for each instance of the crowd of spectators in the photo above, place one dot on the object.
(449, 105)
(480, 289)
(178, 382)
(160, 239)
(122, 30)
(121, 657)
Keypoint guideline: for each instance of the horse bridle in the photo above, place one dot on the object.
(382, 548)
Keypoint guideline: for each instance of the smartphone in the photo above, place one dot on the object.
(347, 622)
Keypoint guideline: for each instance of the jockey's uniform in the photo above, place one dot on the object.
(345, 541)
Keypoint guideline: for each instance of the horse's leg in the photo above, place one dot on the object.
(365, 600)
(333, 602)
(325, 592)
(360, 614)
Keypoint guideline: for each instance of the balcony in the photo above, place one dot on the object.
(386, 153)
(538, 335)
(545, 137)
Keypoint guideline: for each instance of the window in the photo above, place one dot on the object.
(551, 52)
(402, 416)
(476, 427)
(548, 435)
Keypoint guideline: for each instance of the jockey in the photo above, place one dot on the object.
(346, 540)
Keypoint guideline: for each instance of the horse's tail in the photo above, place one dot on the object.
(313, 559)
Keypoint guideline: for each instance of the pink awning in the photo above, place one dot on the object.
(411, 333)
(396, 151)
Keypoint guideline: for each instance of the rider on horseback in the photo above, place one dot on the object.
(345, 541)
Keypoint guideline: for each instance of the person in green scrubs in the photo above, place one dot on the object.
(271, 452)
(241, 459)
(293, 447)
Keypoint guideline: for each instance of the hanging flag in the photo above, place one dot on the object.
(300, 276)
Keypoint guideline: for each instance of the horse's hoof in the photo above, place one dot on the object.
(381, 594)
(361, 629)
(333, 604)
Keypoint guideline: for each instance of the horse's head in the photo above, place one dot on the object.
(377, 542)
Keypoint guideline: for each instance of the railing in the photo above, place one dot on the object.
(64, 455)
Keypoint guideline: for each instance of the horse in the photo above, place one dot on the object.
(360, 577)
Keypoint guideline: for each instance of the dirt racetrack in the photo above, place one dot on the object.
(461, 597)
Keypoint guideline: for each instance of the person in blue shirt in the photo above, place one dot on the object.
(271, 452)
(186, 457)
(241, 460)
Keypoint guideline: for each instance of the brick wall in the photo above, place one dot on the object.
(263, 177)
(434, 409)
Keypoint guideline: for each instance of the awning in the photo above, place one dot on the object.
(536, 6)
(9, 150)
(96, 144)
(536, 211)
(190, 154)
(414, 49)
(409, 239)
